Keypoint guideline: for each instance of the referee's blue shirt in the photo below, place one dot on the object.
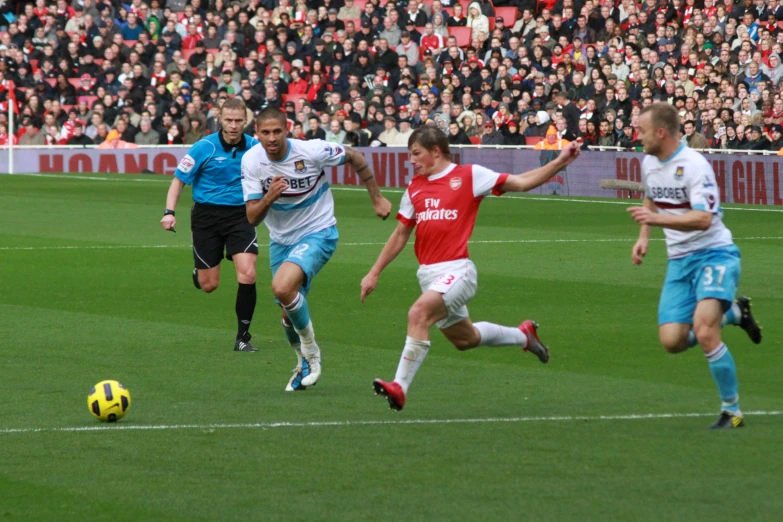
(214, 168)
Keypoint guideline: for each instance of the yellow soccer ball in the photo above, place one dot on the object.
(109, 401)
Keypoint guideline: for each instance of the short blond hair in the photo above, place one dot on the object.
(664, 116)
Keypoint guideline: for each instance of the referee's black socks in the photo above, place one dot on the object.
(246, 305)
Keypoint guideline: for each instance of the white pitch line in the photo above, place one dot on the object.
(480, 242)
(391, 190)
(398, 422)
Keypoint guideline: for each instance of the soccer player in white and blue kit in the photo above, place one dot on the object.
(285, 187)
(698, 297)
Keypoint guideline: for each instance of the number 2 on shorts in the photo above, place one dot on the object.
(299, 251)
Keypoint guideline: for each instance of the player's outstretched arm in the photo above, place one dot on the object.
(257, 209)
(380, 204)
(530, 180)
(175, 190)
(399, 238)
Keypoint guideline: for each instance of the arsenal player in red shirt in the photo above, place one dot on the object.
(441, 202)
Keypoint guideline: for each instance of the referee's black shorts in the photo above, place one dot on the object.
(218, 229)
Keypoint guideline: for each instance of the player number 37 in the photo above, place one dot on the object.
(709, 274)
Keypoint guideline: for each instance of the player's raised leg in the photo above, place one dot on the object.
(677, 338)
(286, 284)
(245, 264)
(208, 247)
(466, 335)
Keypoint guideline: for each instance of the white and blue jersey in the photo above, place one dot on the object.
(213, 168)
(679, 184)
(307, 205)
(703, 264)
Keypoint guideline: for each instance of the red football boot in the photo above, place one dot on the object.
(534, 344)
(392, 391)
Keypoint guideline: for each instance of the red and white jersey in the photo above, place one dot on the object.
(443, 208)
(433, 41)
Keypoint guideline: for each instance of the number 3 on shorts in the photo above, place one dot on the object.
(710, 275)
(446, 280)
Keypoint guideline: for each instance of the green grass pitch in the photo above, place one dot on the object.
(92, 288)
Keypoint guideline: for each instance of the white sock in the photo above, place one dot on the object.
(298, 350)
(497, 335)
(307, 336)
(412, 356)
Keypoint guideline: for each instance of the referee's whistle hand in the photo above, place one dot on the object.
(168, 222)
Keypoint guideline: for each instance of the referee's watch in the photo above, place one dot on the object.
(168, 212)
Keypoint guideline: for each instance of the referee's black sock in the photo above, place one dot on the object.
(246, 305)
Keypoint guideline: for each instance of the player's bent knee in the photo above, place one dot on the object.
(419, 315)
(673, 347)
(673, 343)
(247, 276)
(707, 335)
(283, 292)
(463, 344)
(209, 286)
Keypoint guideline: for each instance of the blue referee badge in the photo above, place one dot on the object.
(678, 173)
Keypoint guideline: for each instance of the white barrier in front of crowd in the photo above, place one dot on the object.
(741, 177)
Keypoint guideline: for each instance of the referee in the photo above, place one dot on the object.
(218, 220)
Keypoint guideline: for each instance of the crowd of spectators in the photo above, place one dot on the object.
(512, 72)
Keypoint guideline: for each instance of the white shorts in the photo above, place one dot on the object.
(456, 281)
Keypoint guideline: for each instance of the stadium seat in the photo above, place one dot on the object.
(532, 140)
(508, 14)
(357, 23)
(359, 4)
(475, 140)
(187, 53)
(51, 81)
(34, 64)
(76, 82)
(462, 34)
(495, 104)
(98, 61)
(130, 43)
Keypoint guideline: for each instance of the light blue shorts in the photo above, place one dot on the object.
(311, 254)
(707, 274)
